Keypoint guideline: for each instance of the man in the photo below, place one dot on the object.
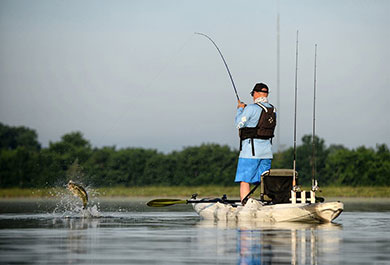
(256, 123)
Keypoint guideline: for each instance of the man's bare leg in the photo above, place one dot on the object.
(244, 189)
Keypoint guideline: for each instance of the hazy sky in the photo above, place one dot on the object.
(134, 74)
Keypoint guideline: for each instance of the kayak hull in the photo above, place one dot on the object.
(255, 210)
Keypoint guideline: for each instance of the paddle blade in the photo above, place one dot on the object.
(165, 202)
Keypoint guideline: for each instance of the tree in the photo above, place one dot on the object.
(98, 168)
(71, 147)
(304, 159)
(205, 165)
(19, 167)
(57, 159)
(23, 163)
(159, 170)
(14, 137)
(361, 166)
(128, 165)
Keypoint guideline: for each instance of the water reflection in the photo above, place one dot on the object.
(76, 223)
(129, 233)
(280, 243)
(80, 234)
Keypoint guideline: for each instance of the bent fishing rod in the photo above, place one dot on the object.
(223, 59)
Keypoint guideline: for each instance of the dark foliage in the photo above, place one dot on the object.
(23, 163)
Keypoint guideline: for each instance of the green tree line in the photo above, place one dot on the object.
(24, 163)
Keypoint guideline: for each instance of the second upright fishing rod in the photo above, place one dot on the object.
(295, 187)
(223, 59)
(314, 185)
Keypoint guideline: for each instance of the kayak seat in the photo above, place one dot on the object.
(276, 185)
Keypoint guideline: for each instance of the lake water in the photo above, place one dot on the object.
(127, 232)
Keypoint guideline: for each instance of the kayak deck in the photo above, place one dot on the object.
(258, 211)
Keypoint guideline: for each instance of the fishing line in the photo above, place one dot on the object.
(224, 61)
(169, 61)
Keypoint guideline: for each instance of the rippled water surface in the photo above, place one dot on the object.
(125, 231)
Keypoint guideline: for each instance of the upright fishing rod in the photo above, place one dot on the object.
(313, 171)
(278, 76)
(223, 59)
(295, 114)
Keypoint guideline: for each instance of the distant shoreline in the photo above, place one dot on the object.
(186, 192)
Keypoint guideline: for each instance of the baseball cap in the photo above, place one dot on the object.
(260, 87)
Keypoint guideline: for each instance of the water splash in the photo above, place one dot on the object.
(69, 206)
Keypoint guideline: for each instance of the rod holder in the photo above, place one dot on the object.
(303, 196)
(312, 196)
(293, 197)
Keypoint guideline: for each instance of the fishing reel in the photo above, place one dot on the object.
(297, 188)
(315, 186)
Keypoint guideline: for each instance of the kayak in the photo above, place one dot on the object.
(279, 201)
(256, 210)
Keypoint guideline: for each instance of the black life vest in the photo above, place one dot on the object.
(264, 129)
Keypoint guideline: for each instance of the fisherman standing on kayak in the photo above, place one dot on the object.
(256, 123)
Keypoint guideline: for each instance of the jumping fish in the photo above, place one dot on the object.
(78, 191)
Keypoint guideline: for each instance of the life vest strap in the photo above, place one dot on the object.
(266, 133)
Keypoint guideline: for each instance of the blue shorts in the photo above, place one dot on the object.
(249, 169)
